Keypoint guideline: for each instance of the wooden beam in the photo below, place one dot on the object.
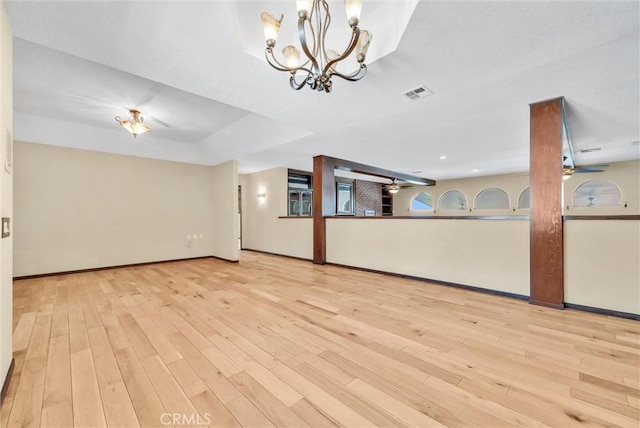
(546, 243)
(345, 165)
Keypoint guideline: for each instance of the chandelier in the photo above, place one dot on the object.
(320, 64)
(134, 124)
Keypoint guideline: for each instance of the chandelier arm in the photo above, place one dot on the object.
(305, 47)
(273, 62)
(325, 30)
(312, 29)
(357, 75)
(297, 86)
(355, 35)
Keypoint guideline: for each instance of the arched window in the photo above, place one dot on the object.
(524, 201)
(492, 199)
(422, 202)
(596, 193)
(452, 200)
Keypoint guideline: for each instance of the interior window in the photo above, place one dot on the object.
(599, 193)
(452, 200)
(422, 202)
(300, 194)
(524, 201)
(491, 199)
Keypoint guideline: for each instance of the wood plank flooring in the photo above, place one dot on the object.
(280, 342)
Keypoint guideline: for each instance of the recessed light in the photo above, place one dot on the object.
(443, 157)
(474, 170)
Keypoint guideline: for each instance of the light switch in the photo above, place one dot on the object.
(5, 227)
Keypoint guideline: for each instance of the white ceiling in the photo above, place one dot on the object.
(185, 65)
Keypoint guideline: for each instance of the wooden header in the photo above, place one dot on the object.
(345, 165)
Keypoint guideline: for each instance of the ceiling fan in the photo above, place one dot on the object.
(569, 166)
(568, 171)
(394, 187)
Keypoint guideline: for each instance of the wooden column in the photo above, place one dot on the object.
(324, 197)
(546, 245)
(324, 194)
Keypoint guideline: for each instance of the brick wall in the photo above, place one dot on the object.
(368, 197)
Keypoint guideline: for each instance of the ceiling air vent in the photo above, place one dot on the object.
(591, 150)
(416, 93)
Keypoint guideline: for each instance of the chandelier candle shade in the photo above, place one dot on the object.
(319, 66)
(134, 124)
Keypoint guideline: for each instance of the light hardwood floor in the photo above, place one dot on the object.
(280, 342)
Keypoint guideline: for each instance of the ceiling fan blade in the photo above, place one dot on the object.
(587, 170)
(594, 166)
(591, 168)
(160, 122)
(156, 88)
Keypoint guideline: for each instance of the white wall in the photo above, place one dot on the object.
(226, 229)
(262, 230)
(626, 175)
(6, 197)
(602, 264)
(491, 254)
(602, 257)
(77, 209)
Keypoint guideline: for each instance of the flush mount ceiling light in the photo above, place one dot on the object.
(134, 124)
(320, 65)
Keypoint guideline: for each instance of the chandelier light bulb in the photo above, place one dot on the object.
(271, 26)
(363, 45)
(304, 6)
(292, 55)
(353, 8)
